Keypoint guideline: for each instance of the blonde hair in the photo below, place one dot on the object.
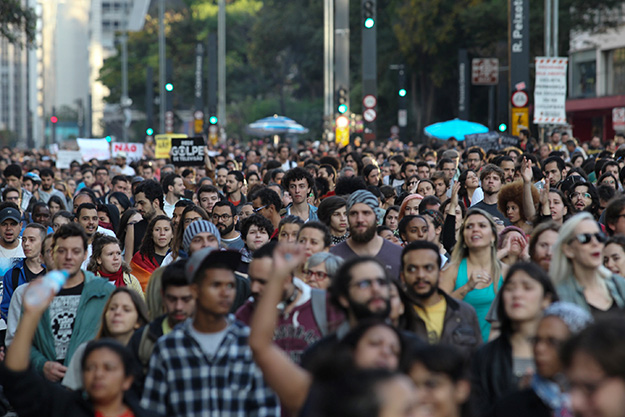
(561, 268)
(461, 250)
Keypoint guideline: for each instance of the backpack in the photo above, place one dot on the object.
(318, 301)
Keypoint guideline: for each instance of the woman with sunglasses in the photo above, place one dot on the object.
(577, 270)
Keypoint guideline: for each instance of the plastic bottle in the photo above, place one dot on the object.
(51, 282)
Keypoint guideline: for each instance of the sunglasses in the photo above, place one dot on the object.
(585, 238)
(258, 209)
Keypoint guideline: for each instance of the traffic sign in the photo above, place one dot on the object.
(198, 115)
(519, 99)
(485, 71)
(369, 101)
(369, 115)
(520, 119)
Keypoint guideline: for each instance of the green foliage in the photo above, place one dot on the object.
(17, 23)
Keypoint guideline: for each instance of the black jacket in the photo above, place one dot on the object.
(31, 395)
(492, 376)
(460, 326)
(521, 404)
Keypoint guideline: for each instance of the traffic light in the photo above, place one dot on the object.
(503, 127)
(368, 13)
(212, 120)
(149, 131)
(169, 87)
(54, 119)
(342, 99)
(109, 139)
(402, 92)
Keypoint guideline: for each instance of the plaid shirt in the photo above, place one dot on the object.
(183, 381)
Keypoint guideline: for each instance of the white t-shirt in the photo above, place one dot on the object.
(209, 342)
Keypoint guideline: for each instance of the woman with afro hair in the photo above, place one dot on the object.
(518, 200)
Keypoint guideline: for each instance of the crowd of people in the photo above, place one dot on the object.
(383, 280)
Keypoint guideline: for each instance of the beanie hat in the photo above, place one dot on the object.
(365, 197)
(200, 226)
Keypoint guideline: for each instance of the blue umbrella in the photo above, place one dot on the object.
(454, 128)
(275, 125)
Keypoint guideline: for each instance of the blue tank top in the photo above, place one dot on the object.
(481, 299)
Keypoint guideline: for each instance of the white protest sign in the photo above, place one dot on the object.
(94, 148)
(550, 91)
(65, 158)
(134, 151)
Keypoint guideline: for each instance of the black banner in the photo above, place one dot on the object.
(490, 140)
(187, 151)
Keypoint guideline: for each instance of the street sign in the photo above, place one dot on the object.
(520, 119)
(402, 118)
(198, 115)
(169, 121)
(163, 144)
(618, 118)
(485, 71)
(369, 115)
(519, 99)
(369, 101)
(550, 91)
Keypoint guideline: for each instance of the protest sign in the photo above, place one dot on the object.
(187, 151)
(490, 140)
(94, 148)
(65, 158)
(134, 151)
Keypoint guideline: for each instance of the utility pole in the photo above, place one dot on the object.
(125, 101)
(341, 56)
(328, 63)
(221, 59)
(369, 64)
(161, 64)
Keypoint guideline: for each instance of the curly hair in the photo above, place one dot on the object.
(514, 192)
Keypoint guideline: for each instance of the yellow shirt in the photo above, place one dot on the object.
(165, 326)
(433, 317)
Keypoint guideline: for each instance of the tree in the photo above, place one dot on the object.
(17, 23)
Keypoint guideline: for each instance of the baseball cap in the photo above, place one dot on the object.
(207, 256)
(122, 154)
(10, 213)
(32, 176)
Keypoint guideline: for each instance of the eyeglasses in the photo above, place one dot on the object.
(585, 195)
(224, 217)
(368, 283)
(549, 341)
(585, 238)
(316, 275)
(257, 209)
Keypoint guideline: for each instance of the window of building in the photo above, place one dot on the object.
(583, 74)
(617, 79)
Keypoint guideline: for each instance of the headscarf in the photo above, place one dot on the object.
(366, 197)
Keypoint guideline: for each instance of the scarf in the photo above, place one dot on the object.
(108, 226)
(116, 278)
(549, 392)
(142, 268)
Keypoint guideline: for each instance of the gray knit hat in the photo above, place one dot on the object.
(575, 317)
(365, 197)
(196, 227)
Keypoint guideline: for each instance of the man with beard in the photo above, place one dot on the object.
(47, 189)
(492, 178)
(475, 158)
(173, 187)
(439, 318)
(507, 165)
(232, 189)
(305, 316)
(225, 218)
(361, 289)
(362, 211)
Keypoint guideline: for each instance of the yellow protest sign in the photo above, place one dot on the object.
(163, 144)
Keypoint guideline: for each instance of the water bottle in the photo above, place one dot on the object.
(53, 281)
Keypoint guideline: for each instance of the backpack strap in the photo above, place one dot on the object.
(146, 346)
(318, 300)
(15, 278)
